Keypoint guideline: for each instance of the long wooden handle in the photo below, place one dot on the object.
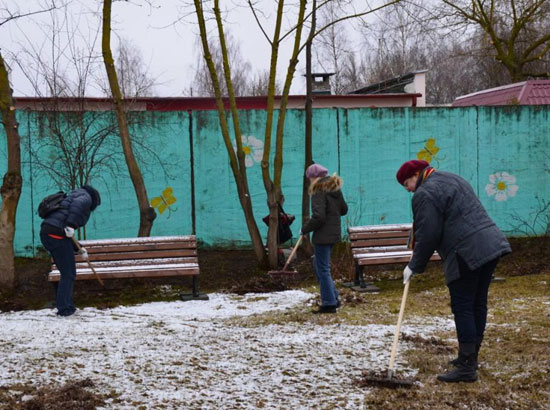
(78, 246)
(293, 252)
(398, 327)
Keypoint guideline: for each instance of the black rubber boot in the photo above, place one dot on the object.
(465, 370)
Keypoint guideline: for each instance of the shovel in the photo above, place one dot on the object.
(79, 247)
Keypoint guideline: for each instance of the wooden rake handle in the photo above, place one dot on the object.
(293, 252)
(78, 246)
(398, 327)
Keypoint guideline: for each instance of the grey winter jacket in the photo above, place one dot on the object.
(449, 218)
(327, 206)
(75, 211)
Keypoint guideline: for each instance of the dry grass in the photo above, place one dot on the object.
(515, 356)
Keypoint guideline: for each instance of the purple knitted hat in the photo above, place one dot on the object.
(316, 171)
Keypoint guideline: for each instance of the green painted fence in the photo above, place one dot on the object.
(504, 152)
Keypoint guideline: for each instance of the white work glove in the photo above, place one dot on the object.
(84, 253)
(407, 274)
(69, 232)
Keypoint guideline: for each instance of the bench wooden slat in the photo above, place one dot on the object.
(93, 249)
(374, 249)
(388, 258)
(140, 255)
(81, 264)
(362, 243)
(380, 228)
(138, 240)
(376, 235)
(87, 274)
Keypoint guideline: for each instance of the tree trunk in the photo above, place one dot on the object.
(308, 154)
(146, 213)
(236, 161)
(11, 184)
(274, 193)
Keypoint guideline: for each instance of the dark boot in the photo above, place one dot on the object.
(454, 362)
(325, 309)
(465, 370)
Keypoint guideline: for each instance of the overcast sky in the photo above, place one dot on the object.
(168, 48)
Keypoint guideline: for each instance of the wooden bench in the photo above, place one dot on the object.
(379, 245)
(144, 257)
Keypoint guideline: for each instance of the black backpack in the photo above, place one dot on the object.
(50, 204)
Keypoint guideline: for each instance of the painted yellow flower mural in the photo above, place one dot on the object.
(502, 186)
(429, 152)
(164, 201)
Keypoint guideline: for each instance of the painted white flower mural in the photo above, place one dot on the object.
(253, 149)
(502, 185)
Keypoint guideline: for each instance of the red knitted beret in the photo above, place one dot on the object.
(409, 168)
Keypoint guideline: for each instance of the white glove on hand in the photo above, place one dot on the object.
(84, 253)
(69, 232)
(407, 274)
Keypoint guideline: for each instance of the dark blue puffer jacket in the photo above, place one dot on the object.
(75, 212)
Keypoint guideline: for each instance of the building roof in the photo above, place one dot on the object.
(530, 92)
(208, 103)
(393, 85)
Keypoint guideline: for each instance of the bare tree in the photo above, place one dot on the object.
(135, 80)
(258, 85)
(516, 31)
(11, 184)
(240, 69)
(399, 43)
(12, 181)
(147, 213)
(333, 49)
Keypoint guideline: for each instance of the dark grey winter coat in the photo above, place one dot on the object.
(75, 212)
(449, 218)
(327, 206)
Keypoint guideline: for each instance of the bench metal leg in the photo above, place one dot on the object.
(359, 283)
(195, 287)
(359, 278)
(195, 295)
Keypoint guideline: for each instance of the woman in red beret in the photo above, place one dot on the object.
(449, 218)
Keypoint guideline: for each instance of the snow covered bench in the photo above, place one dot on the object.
(144, 257)
(379, 245)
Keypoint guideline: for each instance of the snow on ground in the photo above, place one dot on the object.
(192, 355)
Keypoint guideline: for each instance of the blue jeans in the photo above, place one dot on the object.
(321, 264)
(469, 301)
(62, 252)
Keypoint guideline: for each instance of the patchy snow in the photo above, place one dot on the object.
(195, 355)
